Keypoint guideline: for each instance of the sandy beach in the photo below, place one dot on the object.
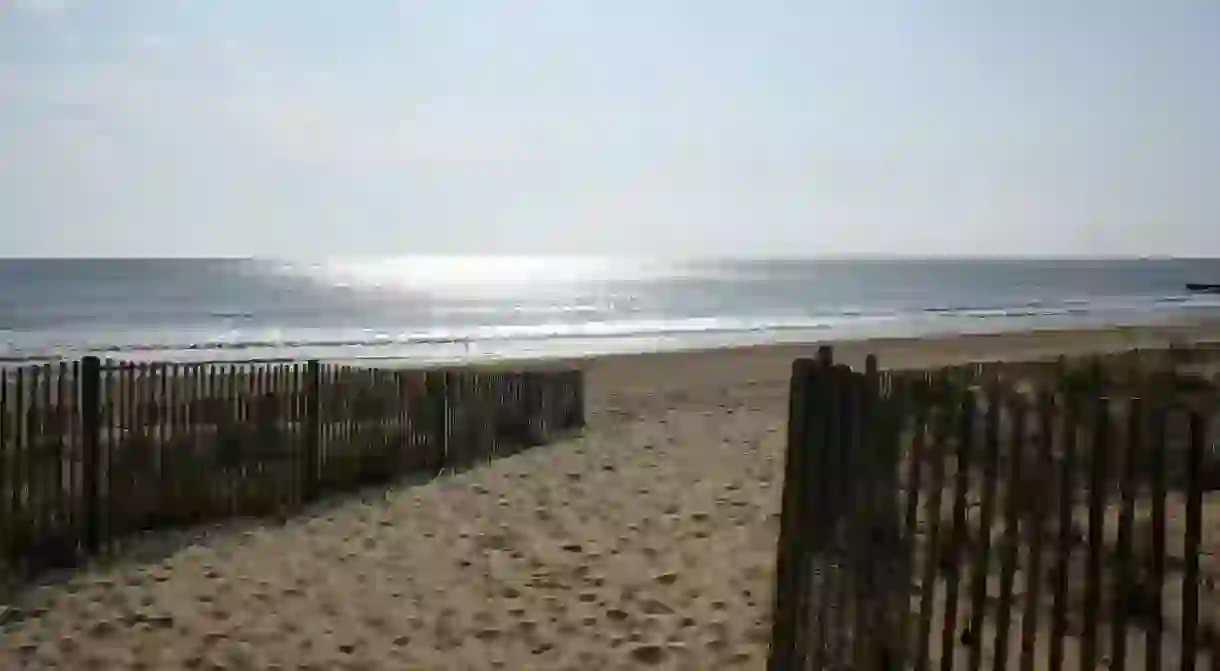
(647, 542)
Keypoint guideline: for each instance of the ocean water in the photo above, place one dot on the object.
(441, 309)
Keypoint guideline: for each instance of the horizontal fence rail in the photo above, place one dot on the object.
(92, 451)
(1000, 516)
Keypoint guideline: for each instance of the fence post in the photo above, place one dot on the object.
(527, 405)
(460, 394)
(437, 385)
(90, 423)
(313, 429)
(792, 558)
(534, 391)
(578, 398)
(453, 411)
(887, 571)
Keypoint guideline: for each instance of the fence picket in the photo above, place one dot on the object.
(328, 390)
(344, 387)
(791, 551)
(231, 383)
(825, 649)
(190, 429)
(1011, 538)
(1067, 477)
(1098, 484)
(1156, 628)
(855, 563)
(107, 433)
(21, 467)
(7, 483)
(1194, 532)
(295, 435)
(91, 418)
(33, 455)
(313, 435)
(46, 453)
(931, 564)
(57, 415)
(1122, 582)
(982, 555)
(1046, 465)
(844, 459)
(961, 489)
(912, 397)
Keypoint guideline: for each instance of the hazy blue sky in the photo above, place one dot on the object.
(146, 127)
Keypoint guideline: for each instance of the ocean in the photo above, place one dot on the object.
(447, 309)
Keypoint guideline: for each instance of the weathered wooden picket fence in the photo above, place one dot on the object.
(91, 451)
(1048, 516)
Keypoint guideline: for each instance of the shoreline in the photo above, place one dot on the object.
(563, 347)
(1117, 337)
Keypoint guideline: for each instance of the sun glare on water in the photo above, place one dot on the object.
(470, 274)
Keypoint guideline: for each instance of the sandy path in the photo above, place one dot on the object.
(645, 543)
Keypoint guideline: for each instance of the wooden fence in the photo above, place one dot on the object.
(1001, 516)
(91, 451)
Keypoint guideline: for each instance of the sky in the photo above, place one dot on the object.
(687, 127)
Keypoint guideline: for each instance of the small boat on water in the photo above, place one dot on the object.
(1203, 288)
